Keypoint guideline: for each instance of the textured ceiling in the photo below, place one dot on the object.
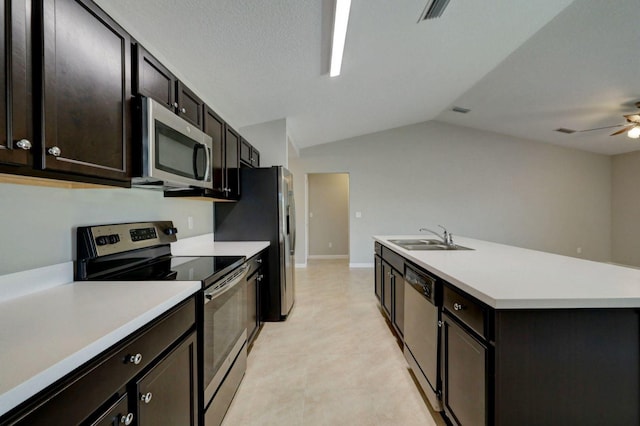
(524, 67)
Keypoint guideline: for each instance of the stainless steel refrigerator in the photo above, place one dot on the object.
(265, 212)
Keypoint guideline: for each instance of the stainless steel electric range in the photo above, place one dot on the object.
(141, 251)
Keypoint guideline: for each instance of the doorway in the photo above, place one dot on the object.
(328, 216)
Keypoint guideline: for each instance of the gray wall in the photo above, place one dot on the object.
(39, 222)
(625, 202)
(478, 184)
(329, 205)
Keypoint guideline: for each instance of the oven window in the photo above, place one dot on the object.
(175, 153)
(225, 321)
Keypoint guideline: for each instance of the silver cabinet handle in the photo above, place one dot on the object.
(24, 144)
(458, 307)
(135, 359)
(259, 260)
(127, 419)
(55, 151)
(175, 105)
(183, 110)
(146, 397)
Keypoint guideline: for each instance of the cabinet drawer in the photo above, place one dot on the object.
(394, 259)
(255, 263)
(378, 249)
(104, 378)
(465, 309)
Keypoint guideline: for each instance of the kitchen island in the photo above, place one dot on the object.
(526, 337)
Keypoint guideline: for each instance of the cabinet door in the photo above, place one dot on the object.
(245, 152)
(214, 127)
(86, 90)
(378, 278)
(464, 377)
(15, 69)
(190, 106)
(255, 157)
(167, 393)
(387, 288)
(398, 301)
(232, 162)
(152, 79)
(116, 415)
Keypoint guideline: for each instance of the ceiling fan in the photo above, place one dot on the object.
(632, 126)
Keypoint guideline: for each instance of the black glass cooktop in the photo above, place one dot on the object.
(179, 268)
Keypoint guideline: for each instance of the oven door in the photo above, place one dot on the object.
(225, 327)
(174, 151)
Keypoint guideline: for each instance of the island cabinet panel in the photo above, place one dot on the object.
(15, 71)
(567, 367)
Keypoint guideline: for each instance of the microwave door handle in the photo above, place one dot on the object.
(207, 171)
(195, 160)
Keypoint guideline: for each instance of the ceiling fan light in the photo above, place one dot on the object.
(634, 133)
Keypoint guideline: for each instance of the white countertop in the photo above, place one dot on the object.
(204, 245)
(47, 334)
(506, 277)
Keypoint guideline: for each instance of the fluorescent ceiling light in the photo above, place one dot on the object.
(339, 35)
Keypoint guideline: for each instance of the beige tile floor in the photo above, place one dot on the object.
(333, 362)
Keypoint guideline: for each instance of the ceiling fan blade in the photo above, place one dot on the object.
(624, 129)
(633, 118)
(600, 128)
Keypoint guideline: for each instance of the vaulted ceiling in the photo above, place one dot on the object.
(523, 67)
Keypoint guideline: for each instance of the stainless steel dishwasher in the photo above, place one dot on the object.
(421, 332)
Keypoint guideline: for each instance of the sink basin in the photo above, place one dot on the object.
(426, 244)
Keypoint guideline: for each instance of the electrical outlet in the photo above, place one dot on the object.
(579, 250)
(358, 215)
(190, 222)
(330, 245)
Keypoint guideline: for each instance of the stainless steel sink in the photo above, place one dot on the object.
(426, 244)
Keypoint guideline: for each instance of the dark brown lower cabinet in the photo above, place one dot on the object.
(253, 307)
(398, 302)
(464, 375)
(167, 393)
(387, 289)
(378, 278)
(149, 378)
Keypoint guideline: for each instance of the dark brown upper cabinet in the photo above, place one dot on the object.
(84, 110)
(249, 155)
(232, 158)
(189, 106)
(16, 98)
(154, 80)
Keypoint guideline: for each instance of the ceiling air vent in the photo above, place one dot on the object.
(567, 131)
(434, 9)
(460, 110)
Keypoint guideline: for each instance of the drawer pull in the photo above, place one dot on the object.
(259, 260)
(146, 397)
(457, 307)
(126, 419)
(135, 359)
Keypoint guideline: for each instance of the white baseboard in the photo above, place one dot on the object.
(301, 265)
(328, 256)
(361, 265)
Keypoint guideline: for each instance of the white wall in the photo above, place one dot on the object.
(625, 202)
(39, 222)
(477, 184)
(329, 204)
(270, 139)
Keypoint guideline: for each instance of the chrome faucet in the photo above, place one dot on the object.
(446, 237)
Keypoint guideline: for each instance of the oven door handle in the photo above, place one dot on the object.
(226, 284)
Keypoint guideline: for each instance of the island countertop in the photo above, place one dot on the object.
(507, 277)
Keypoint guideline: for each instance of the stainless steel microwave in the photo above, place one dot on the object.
(175, 154)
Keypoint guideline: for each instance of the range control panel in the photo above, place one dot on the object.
(118, 238)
